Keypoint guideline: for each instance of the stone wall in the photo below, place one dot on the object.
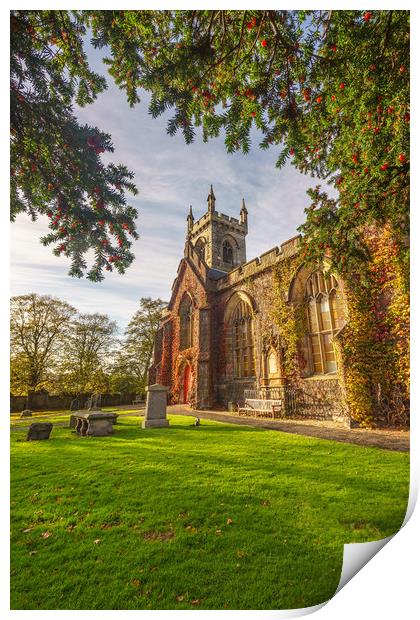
(51, 402)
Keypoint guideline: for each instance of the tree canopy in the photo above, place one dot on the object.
(135, 353)
(56, 165)
(329, 89)
(87, 354)
(39, 328)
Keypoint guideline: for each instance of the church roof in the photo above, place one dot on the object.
(216, 274)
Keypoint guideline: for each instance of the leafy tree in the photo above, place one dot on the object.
(330, 88)
(87, 354)
(56, 165)
(135, 354)
(39, 330)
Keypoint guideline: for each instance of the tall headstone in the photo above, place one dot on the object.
(156, 402)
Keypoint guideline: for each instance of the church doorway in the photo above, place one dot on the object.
(186, 383)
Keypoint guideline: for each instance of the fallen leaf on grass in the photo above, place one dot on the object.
(136, 583)
(196, 601)
(33, 552)
(229, 521)
(265, 502)
(218, 532)
(161, 536)
(28, 529)
(46, 534)
(97, 541)
(180, 598)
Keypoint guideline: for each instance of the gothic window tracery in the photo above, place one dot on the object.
(227, 252)
(324, 319)
(242, 341)
(186, 323)
(200, 246)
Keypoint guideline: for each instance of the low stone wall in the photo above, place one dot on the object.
(52, 402)
(316, 399)
(313, 398)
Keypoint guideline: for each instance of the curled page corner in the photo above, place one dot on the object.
(356, 556)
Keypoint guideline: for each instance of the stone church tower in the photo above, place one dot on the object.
(218, 238)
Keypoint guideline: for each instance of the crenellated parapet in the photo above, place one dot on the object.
(260, 263)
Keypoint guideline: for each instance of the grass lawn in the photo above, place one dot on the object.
(216, 517)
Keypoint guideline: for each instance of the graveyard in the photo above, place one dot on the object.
(185, 517)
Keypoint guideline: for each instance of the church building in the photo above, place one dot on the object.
(282, 329)
(235, 327)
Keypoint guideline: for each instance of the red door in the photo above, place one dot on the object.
(187, 382)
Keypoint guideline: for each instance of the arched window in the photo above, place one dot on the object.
(200, 246)
(242, 341)
(186, 323)
(227, 253)
(325, 318)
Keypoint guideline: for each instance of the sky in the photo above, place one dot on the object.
(170, 175)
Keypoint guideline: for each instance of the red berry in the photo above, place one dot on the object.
(407, 117)
(333, 48)
(367, 16)
(402, 157)
(49, 213)
(385, 166)
(342, 85)
(319, 99)
(264, 42)
(292, 152)
(402, 69)
(50, 187)
(253, 114)
(333, 97)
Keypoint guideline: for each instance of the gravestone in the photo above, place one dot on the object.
(26, 413)
(39, 430)
(95, 403)
(75, 404)
(155, 416)
(93, 423)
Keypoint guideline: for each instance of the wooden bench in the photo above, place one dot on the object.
(262, 408)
